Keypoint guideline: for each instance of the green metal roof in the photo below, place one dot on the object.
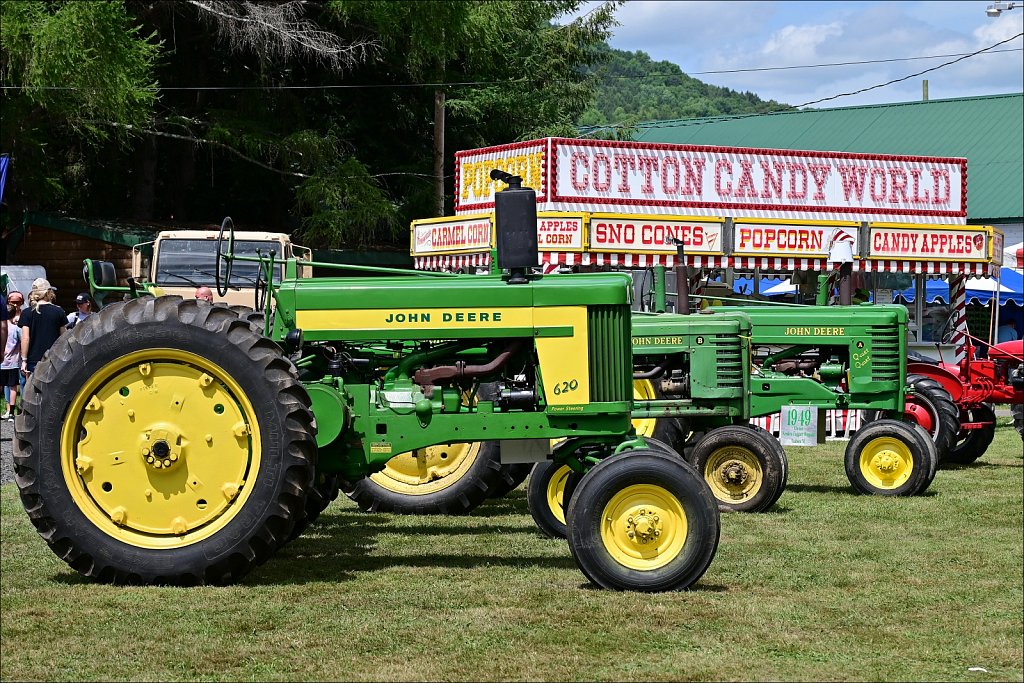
(988, 131)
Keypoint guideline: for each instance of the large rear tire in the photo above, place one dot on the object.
(512, 476)
(444, 479)
(1018, 418)
(745, 468)
(672, 431)
(449, 478)
(643, 520)
(890, 458)
(971, 444)
(164, 442)
(322, 493)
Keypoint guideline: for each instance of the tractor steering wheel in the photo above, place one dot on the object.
(224, 259)
(260, 288)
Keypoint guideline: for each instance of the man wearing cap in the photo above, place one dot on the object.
(83, 302)
(41, 324)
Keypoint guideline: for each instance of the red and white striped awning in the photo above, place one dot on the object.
(452, 261)
(980, 269)
(763, 263)
(780, 264)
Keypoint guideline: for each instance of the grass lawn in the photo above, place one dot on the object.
(828, 585)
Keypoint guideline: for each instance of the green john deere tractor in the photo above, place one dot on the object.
(792, 360)
(172, 441)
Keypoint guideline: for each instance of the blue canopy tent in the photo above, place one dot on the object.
(745, 285)
(979, 290)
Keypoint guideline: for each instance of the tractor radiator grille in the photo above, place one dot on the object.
(611, 360)
(885, 354)
(730, 362)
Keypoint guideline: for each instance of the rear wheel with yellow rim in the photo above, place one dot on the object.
(451, 478)
(165, 443)
(643, 520)
(745, 467)
(672, 431)
(448, 478)
(546, 496)
(890, 458)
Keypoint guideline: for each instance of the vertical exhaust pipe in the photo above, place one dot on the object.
(515, 218)
(682, 277)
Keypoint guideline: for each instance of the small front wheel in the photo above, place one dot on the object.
(890, 458)
(643, 520)
(745, 468)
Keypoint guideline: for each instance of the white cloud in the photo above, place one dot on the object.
(715, 36)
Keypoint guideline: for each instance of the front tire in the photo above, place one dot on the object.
(890, 458)
(643, 520)
(745, 468)
(164, 442)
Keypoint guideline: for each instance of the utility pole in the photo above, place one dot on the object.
(439, 149)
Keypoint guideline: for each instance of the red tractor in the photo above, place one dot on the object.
(974, 385)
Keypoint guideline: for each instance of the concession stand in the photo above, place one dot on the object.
(738, 212)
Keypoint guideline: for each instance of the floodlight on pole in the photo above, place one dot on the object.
(998, 7)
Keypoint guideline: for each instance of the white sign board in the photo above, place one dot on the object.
(797, 239)
(649, 234)
(451, 235)
(654, 178)
(928, 243)
(560, 233)
(799, 426)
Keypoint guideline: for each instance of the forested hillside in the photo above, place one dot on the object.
(631, 88)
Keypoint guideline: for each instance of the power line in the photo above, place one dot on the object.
(438, 84)
(826, 64)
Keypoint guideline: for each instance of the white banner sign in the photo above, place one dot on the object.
(605, 172)
(649, 234)
(451, 235)
(560, 233)
(934, 243)
(784, 239)
(648, 178)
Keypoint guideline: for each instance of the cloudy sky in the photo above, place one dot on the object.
(715, 36)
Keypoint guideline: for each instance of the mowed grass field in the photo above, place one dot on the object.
(828, 585)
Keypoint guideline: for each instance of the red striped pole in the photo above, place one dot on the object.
(958, 299)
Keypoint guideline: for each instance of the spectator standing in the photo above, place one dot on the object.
(10, 364)
(1007, 331)
(41, 325)
(204, 293)
(3, 316)
(83, 304)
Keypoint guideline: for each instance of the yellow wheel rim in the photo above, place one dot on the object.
(160, 448)
(643, 527)
(643, 390)
(886, 463)
(556, 492)
(427, 470)
(734, 474)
